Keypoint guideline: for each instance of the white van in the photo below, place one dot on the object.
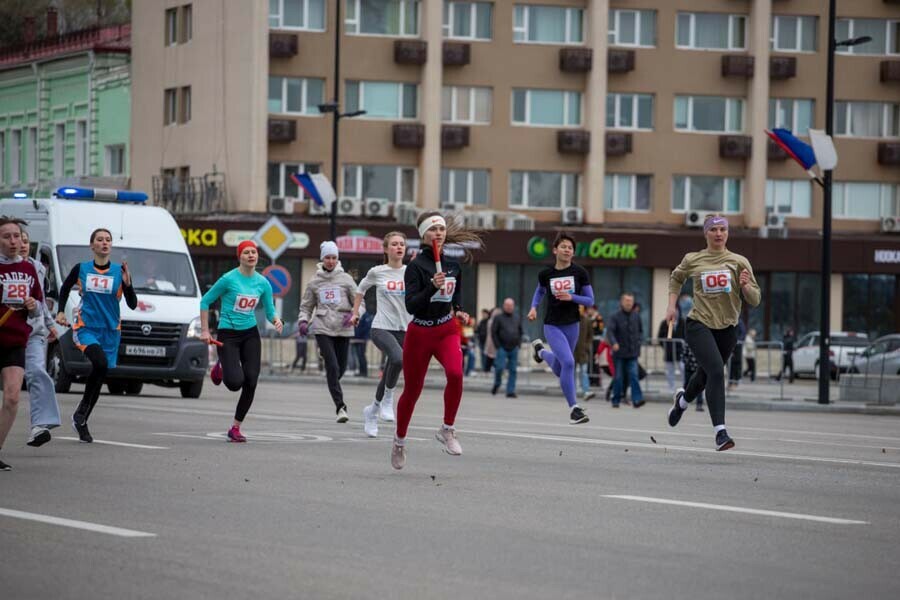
(160, 339)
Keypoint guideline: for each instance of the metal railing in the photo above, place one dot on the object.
(872, 382)
(190, 195)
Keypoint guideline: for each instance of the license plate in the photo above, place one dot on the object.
(159, 351)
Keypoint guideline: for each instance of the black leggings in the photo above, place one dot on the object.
(334, 352)
(99, 368)
(240, 358)
(711, 347)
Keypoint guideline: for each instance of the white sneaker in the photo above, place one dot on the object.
(387, 407)
(39, 436)
(370, 420)
(342, 416)
(398, 455)
(448, 438)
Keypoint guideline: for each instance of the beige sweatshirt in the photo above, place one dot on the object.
(717, 288)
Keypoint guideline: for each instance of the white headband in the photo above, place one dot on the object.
(429, 223)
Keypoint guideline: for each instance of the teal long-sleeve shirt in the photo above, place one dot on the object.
(241, 295)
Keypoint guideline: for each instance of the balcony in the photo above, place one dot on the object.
(576, 60)
(456, 54)
(282, 131)
(409, 136)
(573, 141)
(454, 137)
(282, 45)
(192, 195)
(410, 52)
(782, 67)
(618, 144)
(620, 61)
(737, 65)
(735, 146)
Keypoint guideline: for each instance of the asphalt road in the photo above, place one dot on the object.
(806, 506)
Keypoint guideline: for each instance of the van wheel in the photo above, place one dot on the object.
(133, 388)
(116, 388)
(191, 389)
(61, 380)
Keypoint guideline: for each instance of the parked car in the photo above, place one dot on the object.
(844, 347)
(881, 357)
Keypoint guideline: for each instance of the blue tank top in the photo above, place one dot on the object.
(101, 290)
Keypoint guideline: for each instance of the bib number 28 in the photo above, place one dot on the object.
(15, 292)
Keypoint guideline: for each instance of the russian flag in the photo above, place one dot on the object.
(797, 149)
(316, 187)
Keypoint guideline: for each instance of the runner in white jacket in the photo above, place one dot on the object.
(389, 326)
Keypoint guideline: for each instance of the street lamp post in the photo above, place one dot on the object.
(825, 316)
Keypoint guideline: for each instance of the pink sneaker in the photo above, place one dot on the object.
(216, 374)
(235, 435)
(448, 438)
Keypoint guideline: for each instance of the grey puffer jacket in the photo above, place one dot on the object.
(327, 300)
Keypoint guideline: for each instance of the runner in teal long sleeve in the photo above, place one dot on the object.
(241, 290)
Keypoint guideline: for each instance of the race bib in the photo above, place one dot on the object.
(245, 304)
(15, 292)
(99, 284)
(445, 294)
(562, 285)
(716, 282)
(331, 295)
(395, 287)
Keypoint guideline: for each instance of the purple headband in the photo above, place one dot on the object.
(714, 222)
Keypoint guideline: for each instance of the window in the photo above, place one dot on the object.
(793, 34)
(170, 106)
(548, 24)
(466, 104)
(546, 107)
(171, 26)
(471, 187)
(15, 156)
(696, 192)
(867, 119)
(468, 20)
(187, 24)
(397, 184)
(115, 160)
(792, 114)
(865, 200)
(2, 156)
(790, 197)
(632, 28)
(869, 304)
(300, 96)
(297, 14)
(59, 149)
(885, 35)
(711, 31)
(709, 113)
(184, 114)
(31, 156)
(279, 178)
(543, 189)
(627, 192)
(383, 99)
(81, 148)
(629, 111)
(382, 17)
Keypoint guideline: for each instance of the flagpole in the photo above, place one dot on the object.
(825, 308)
(336, 117)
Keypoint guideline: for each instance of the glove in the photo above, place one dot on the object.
(303, 328)
(348, 320)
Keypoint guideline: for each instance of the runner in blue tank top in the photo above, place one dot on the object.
(97, 327)
(241, 291)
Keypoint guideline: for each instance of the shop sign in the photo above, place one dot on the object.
(358, 241)
(207, 238)
(890, 257)
(539, 248)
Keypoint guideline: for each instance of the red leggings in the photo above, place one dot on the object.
(421, 343)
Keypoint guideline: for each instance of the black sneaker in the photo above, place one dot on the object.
(512, 395)
(700, 408)
(4, 466)
(82, 430)
(39, 437)
(676, 411)
(638, 404)
(537, 346)
(724, 441)
(578, 416)
(494, 389)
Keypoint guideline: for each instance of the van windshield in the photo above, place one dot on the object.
(154, 272)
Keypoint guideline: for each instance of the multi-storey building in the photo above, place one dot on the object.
(622, 120)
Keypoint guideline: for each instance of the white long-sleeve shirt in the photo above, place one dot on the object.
(389, 293)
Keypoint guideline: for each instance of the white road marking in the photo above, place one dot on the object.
(740, 509)
(95, 527)
(109, 443)
(808, 432)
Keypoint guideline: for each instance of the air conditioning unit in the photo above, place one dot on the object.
(406, 213)
(281, 205)
(484, 219)
(316, 210)
(775, 221)
(519, 223)
(349, 206)
(695, 218)
(890, 224)
(572, 216)
(377, 207)
(453, 206)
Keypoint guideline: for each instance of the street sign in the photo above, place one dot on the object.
(280, 279)
(274, 238)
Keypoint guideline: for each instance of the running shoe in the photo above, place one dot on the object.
(370, 420)
(235, 435)
(84, 435)
(215, 374)
(39, 436)
(448, 438)
(387, 407)
(512, 395)
(676, 411)
(578, 416)
(700, 407)
(724, 441)
(342, 416)
(588, 396)
(638, 404)
(398, 455)
(4, 466)
(537, 346)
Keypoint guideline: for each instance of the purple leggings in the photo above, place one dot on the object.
(561, 357)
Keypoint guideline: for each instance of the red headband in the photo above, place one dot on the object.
(246, 244)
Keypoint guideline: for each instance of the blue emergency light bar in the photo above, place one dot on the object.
(20, 194)
(79, 193)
